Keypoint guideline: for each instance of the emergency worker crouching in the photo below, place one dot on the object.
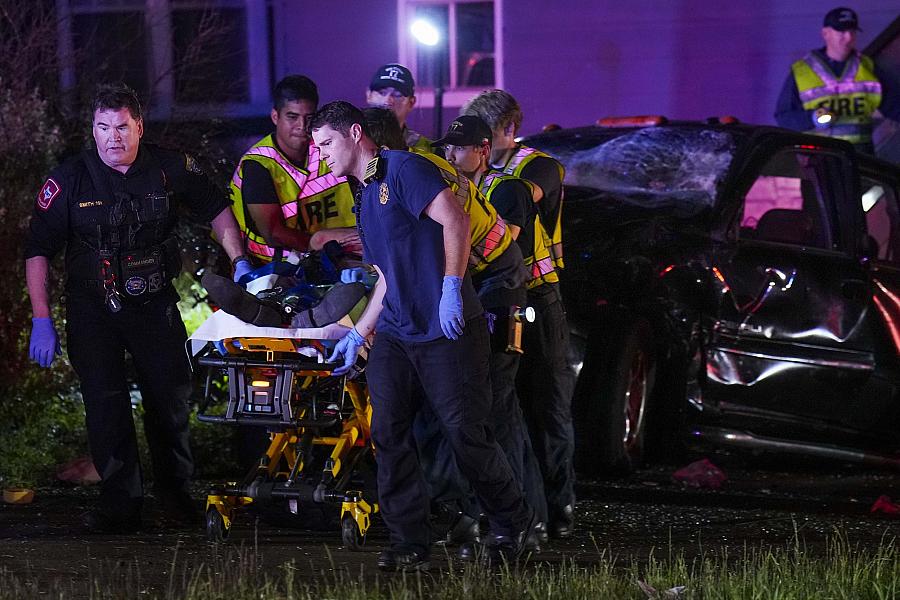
(113, 209)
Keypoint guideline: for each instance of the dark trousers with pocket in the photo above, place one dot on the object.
(445, 482)
(546, 383)
(154, 335)
(452, 378)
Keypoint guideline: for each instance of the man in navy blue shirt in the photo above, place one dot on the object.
(431, 337)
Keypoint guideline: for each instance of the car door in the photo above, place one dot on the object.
(880, 201)
(790, 348)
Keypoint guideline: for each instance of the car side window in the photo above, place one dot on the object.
(786, 204)
(879, 203)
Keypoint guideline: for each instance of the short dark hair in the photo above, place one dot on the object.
(294, 88)
(115, 96)
(340, 115)
(384, 128)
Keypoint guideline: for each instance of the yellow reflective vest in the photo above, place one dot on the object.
(552, 224)
(315, 195)
(852, 96)
(417, 141)
(490, 236)
(537, 259)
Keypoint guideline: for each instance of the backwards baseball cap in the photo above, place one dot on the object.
(396, 76)
(842, 19)
(466, 130)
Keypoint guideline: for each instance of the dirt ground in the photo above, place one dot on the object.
(632, 517)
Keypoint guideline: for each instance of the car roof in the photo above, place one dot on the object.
(594, 134)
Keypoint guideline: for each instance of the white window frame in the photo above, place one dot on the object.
(158, 22)
(453, 96)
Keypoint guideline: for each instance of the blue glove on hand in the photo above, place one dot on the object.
(352, 275)
(348, 347)
(241, 268)
(44, 344)
(359, 274)
(450, 310)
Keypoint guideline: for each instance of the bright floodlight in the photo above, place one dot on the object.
(424, 32)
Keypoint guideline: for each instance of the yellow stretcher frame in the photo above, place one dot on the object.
(291, 436)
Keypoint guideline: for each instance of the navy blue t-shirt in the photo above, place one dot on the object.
(408, 247)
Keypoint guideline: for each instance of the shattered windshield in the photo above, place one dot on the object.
(655, 165)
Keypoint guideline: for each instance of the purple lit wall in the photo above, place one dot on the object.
(575, 61)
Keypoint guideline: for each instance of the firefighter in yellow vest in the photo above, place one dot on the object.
(546, 381)
(503, 115)
(467, 146)
(283, 196)
(835, 91)
(499, 277)
(393, 87)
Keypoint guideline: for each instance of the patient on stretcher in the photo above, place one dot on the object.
(304, 294)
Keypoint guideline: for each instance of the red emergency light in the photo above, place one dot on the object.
(639, 121)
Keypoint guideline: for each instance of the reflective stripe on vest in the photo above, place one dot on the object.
(322, 199)
(515, 166)
(852, 97)
(490, 236)
(538, 260)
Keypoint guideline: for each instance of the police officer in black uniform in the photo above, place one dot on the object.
(113, 209)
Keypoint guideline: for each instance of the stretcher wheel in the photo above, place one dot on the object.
(216, 531)
(350, 535)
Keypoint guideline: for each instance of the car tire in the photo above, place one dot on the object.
(613, 398)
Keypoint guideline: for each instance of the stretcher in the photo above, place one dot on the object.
(318, 425)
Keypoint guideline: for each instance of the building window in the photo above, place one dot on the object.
(184, 57)
(466, 59)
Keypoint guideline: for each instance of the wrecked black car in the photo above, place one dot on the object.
(730, 284)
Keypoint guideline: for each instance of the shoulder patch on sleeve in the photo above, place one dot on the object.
(48, 193)
(191, 165)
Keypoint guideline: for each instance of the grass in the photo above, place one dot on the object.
(839, 570)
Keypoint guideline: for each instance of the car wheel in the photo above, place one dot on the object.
(612, 402)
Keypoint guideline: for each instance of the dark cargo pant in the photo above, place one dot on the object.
(454, 378)
(545, 385)
(154, 335)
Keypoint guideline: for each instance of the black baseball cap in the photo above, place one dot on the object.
(466, 130)
(396, 76)
(842, 19)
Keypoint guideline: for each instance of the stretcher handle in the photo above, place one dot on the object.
(292, 364)
(267, 421)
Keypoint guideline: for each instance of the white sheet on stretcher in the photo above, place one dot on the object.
(222, 325)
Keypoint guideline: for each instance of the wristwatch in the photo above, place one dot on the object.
(239, 258)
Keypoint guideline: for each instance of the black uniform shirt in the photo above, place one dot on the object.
(68, 207)
(544, 171)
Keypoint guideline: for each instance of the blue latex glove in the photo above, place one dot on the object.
(241, 268)
(44, 346)
(359, 274)
(348, 347)
(450, 310)
(352, 275)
